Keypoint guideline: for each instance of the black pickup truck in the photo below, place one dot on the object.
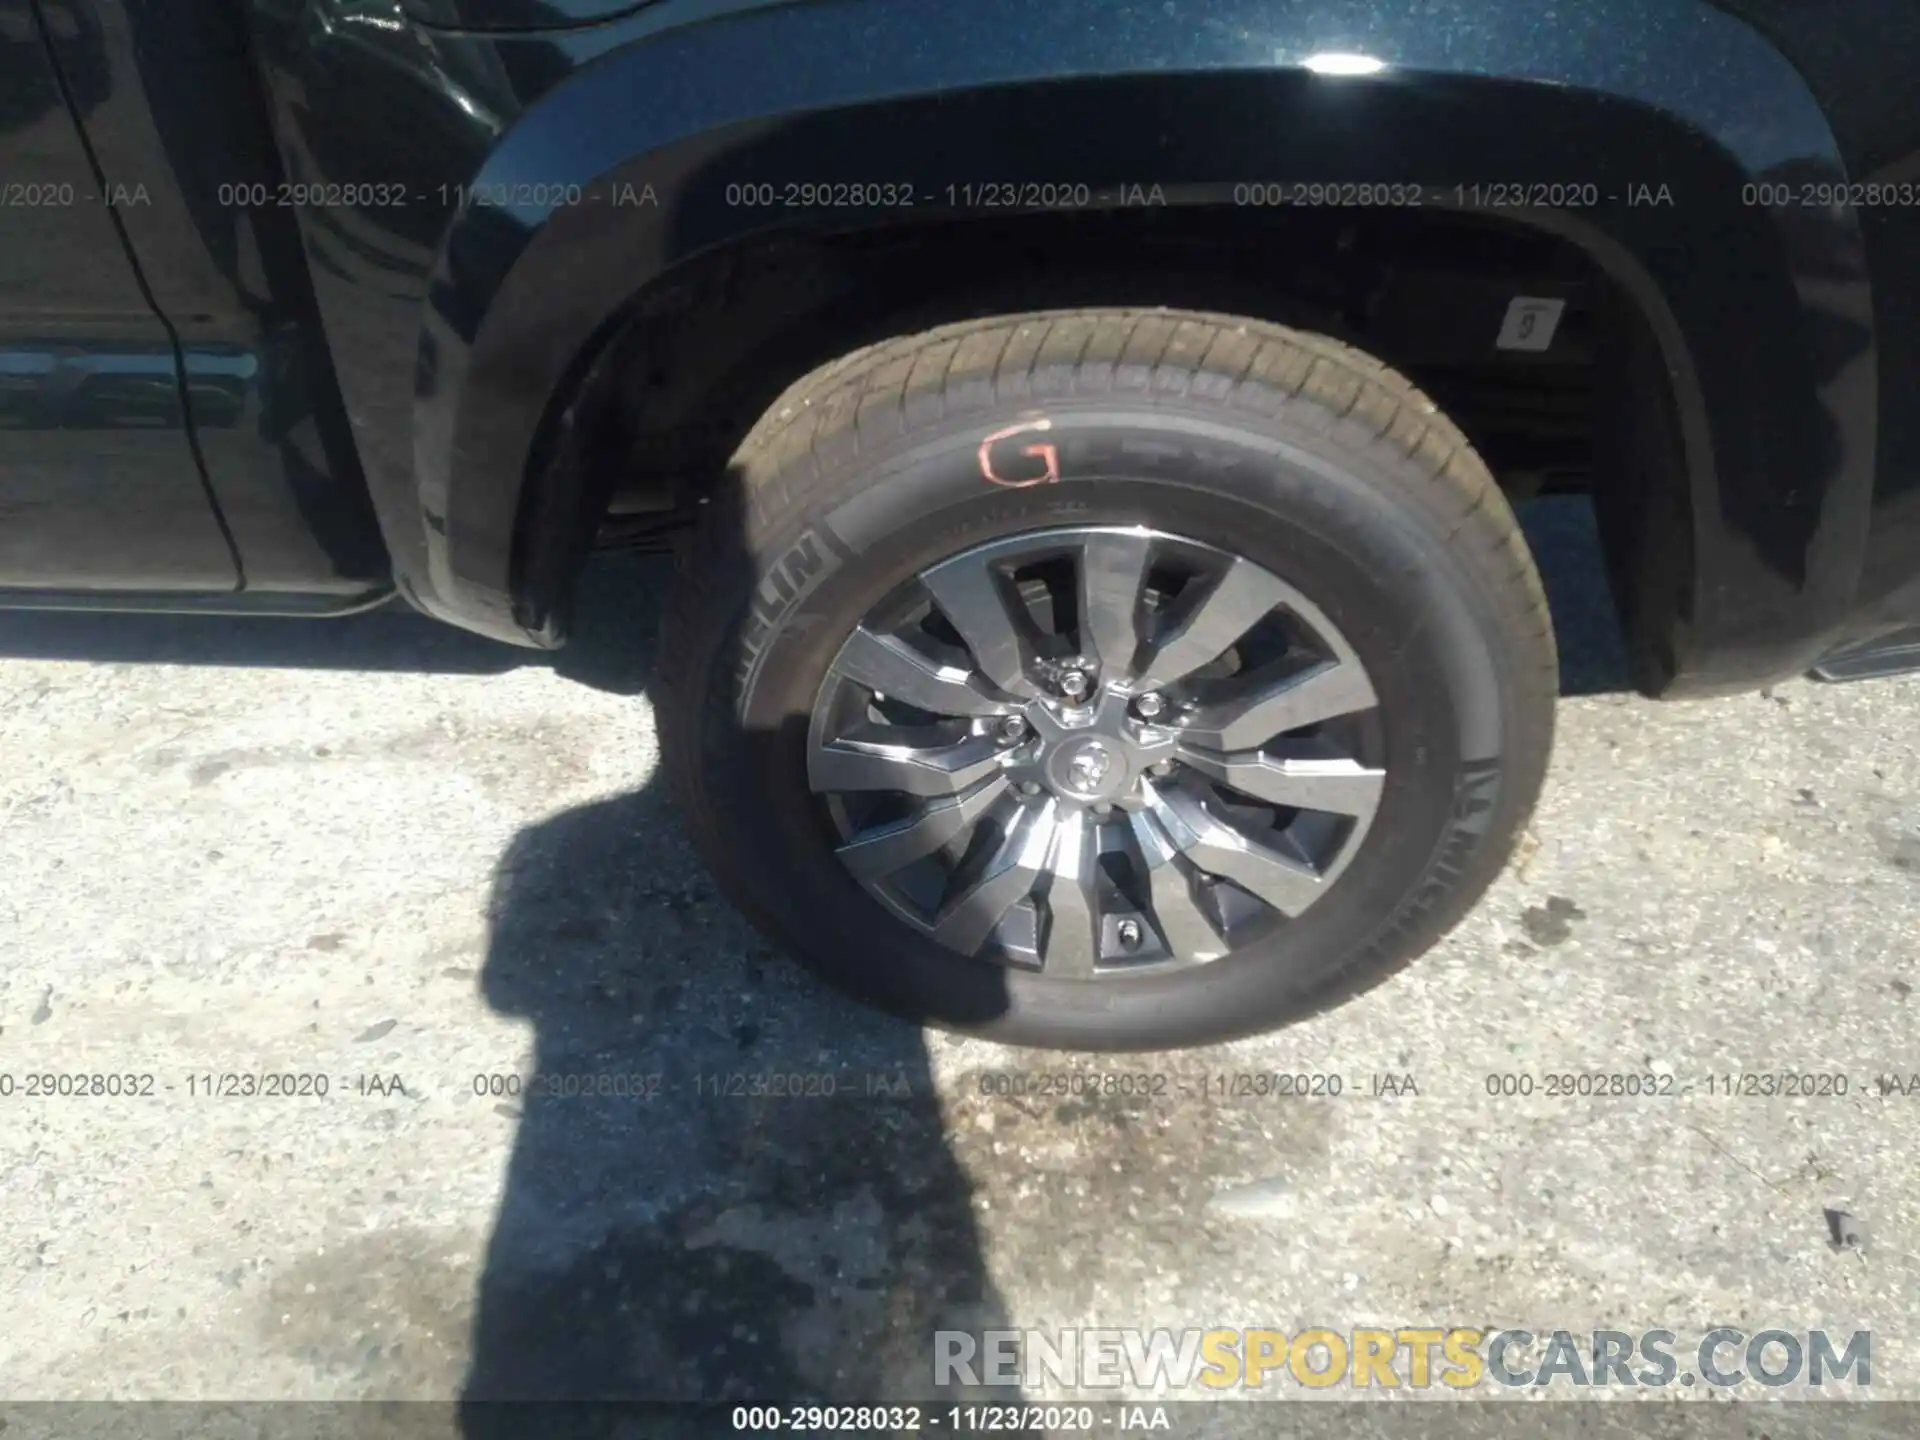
(1089, 430)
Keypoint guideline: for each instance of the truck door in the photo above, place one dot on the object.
(100, 486)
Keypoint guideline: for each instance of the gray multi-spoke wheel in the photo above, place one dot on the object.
(1107, 679)
(1095, 749)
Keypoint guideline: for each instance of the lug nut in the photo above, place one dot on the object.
(1029, 787)
(1129, 933)
(1073, 683)
(1105, 807)
(1161, 767)
(1148, 706)
(1013, 729)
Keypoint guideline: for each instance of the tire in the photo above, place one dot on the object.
(1280, 456)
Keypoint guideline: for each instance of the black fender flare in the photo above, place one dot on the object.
(1762, 314)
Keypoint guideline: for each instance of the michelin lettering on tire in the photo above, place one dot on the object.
(788, 582)
(1475, 797)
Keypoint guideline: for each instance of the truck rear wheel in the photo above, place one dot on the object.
(1107, 679)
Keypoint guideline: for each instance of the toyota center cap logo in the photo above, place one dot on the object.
(1089, 767)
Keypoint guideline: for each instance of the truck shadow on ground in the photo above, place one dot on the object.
(727, 1183)
(764, 1208)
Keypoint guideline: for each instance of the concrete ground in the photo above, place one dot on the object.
(422, 867)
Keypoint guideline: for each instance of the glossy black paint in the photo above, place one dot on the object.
(1857, 57)
(183, 132)
(99, 487)
(461, 307)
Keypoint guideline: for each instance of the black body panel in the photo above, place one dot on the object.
(213, 229)
(1857, 56)
(99, 486)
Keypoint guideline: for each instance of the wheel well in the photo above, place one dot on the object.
(702, 354)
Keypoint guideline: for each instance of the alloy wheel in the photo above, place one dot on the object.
(1094, 751)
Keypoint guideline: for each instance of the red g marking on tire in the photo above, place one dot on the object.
(1047, 454)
